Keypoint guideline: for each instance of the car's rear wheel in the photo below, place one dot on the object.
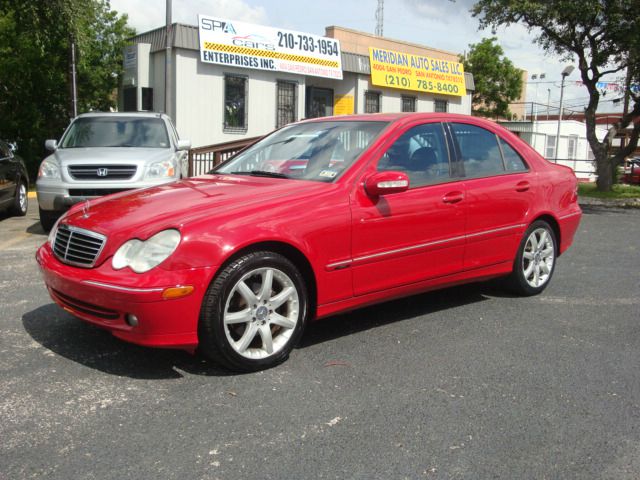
(21, 201)
(254, 312)
(536, 260)
(48, 219)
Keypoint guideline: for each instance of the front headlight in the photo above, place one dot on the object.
(163, 169)
(49, 169)
(142, 256)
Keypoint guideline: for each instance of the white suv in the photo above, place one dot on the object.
(102, 153)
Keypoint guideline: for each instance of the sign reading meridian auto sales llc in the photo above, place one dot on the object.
(244, 45)
(406, 71)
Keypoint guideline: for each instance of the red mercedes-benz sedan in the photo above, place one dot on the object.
(238, 261)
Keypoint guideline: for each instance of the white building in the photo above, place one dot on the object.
(573, 148)
(214, 103)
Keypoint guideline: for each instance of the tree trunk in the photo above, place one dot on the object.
(604, 171)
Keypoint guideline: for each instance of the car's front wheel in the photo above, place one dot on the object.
(535, 261)
(253, 312)
(48, 219)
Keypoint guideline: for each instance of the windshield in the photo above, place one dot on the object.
(318, 151)
(116, 132)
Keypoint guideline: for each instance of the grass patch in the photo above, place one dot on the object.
(619, 191)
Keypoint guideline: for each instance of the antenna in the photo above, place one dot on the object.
(379, 17)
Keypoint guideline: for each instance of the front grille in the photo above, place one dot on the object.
(84, 307)
(102, 172)
(77, 246)
(95, 192)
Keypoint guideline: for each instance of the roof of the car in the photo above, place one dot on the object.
(123, 114)
(393, 117)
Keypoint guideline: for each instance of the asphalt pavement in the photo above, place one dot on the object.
(464, 383)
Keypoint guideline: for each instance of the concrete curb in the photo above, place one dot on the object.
(32, 195)
(609, 202)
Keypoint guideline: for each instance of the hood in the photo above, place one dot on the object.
(65, 156)
(142, 213)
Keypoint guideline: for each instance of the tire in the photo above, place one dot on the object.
(536, 260)
(253, 313)
(48, 219)
(21, 201)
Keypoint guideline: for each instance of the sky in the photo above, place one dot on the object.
(442, 24)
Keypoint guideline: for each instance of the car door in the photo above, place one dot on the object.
(415, 235)
(499, 192)
(182, 156)
(7, 182)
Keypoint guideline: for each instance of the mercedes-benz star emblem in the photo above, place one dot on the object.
(85, 209)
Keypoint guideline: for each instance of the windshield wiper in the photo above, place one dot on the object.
(260, 173)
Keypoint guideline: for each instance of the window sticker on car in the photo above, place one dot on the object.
(328, 173)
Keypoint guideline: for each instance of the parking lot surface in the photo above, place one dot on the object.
(463, 383)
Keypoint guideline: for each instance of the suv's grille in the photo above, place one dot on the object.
(77, 246)
(102, 172)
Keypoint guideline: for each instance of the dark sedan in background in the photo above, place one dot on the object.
(14, 182)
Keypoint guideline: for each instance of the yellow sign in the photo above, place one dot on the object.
(343, 105)
(406, 71)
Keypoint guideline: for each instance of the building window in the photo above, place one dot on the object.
(572, 147)
(371, 102)
(287, 104)
(550, 147)
(235, 100)
(441, 106)
(408, 104)
(147, 99)
(319, 102)
(129, 99)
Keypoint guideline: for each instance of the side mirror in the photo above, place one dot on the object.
(51, 145)
(184, 144)
(385, 183)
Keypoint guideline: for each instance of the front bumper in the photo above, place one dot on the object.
(59, 196)
(103, 296)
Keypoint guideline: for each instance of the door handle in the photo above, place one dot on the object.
(453, 197)
(522, 186)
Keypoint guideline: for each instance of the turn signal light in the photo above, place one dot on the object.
(177, 292)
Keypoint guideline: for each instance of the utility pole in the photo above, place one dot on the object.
(168, 80)
(74, 88)
(379, 18)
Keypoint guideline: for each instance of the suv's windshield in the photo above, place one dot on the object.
(116, 132)
(318, 151)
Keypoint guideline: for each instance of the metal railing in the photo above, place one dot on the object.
(203, 159)
(582, 168)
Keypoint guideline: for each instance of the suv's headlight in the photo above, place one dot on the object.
(142, 256)
(162, 169)
(49, 169)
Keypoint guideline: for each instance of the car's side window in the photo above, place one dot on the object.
(421, 152)
(479, 150)
(512, 160)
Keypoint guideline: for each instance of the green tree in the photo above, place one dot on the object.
(497, 81)
(603, 36)
(35, 54)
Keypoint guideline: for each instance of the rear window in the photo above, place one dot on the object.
(116, 132)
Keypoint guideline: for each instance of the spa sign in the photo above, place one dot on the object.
(419, 73)
(245, 45)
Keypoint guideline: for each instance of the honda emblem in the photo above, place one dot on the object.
(103, 172)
